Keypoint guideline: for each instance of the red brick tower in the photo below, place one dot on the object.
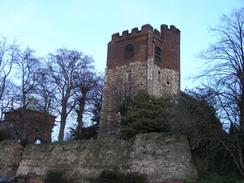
(145, 59)
(31, 124)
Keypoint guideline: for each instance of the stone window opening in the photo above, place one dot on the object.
(129, 51)
(128, 76)
(157, 52)
(38, 141)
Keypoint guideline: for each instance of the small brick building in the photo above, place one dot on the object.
(145, 59)
(30, 124)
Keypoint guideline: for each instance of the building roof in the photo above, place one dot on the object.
(32, 105)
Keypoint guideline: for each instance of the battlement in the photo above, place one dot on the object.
(145, 29)
(172, 29)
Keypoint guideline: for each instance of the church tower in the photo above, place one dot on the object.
(145, 59)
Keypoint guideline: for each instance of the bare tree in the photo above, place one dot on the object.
(45, 90)
(9, 98)
(63, 67)
(120, 93)
(85, 83)
(25, 79)
(27, 67)
(225, 67)
(96, 101)
(90, 103)
(8, 56)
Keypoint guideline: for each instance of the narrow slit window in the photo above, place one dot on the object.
(158, 53)
(129, 49)
(128, 76)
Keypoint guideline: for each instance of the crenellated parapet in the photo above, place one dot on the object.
(172, 28)
(146, 29)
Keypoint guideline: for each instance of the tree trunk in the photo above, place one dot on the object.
(80, 112)
(62, 121)
(242, 106)
(62, 127)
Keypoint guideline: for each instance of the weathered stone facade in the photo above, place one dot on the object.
(160, 158)
(144, 59)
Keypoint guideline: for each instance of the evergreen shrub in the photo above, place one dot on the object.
(56, 177)
(207, 177)
(117, 177)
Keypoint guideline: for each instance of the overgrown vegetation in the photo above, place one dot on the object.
(5, 135)
(56, 177)
(89, 132)
(224, 76)
(188, 114)
(207, 177)
(117, 177)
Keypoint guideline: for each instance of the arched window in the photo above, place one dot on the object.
(37, 141)
(129, 49)
(157, 53)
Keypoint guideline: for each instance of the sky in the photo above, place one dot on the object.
(87, 25)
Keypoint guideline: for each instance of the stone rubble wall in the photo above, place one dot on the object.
(116, 82)
(162, 81)
(10, 156)
(144, 76)
(161, 158)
